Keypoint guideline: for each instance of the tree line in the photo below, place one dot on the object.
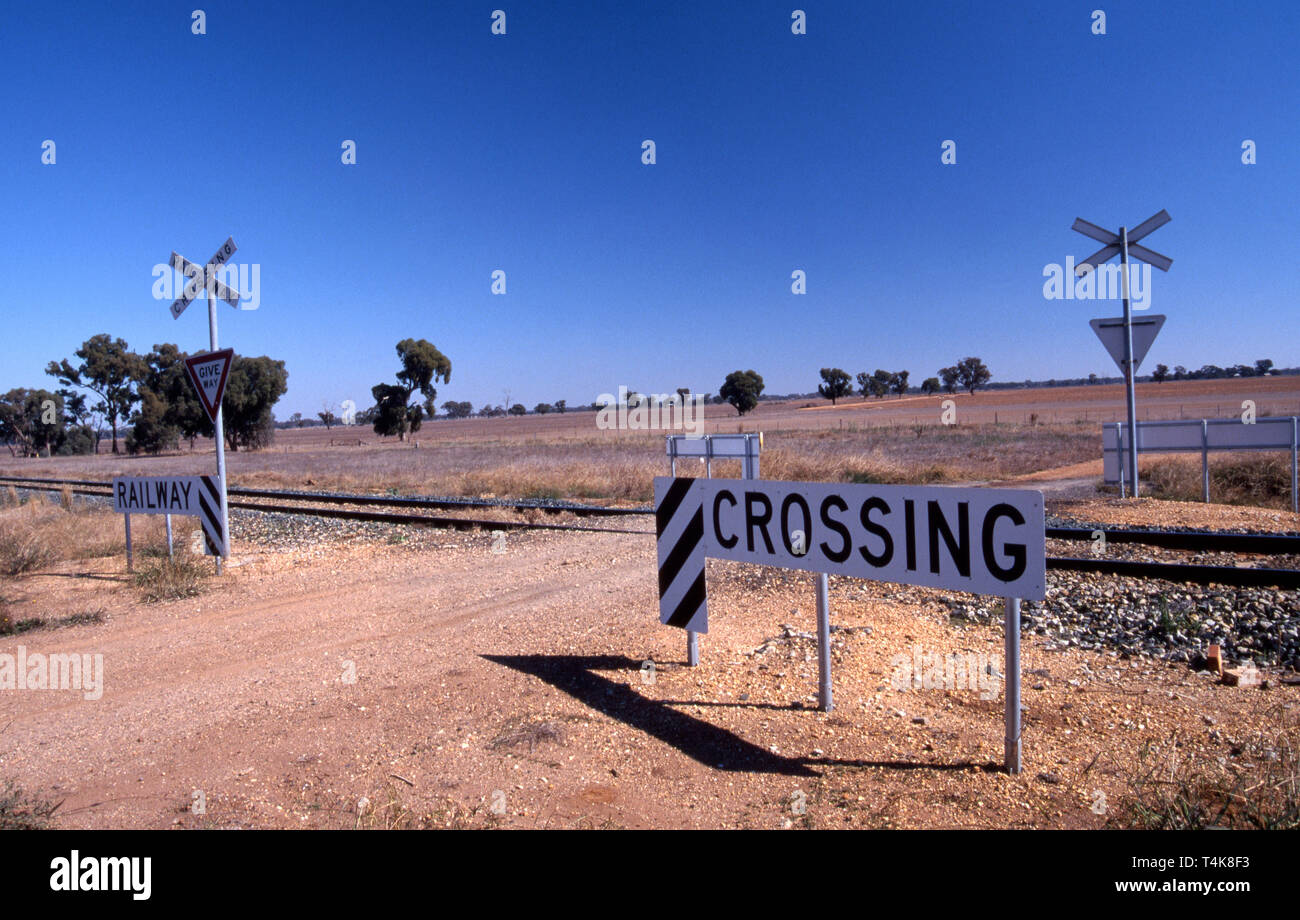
(150, 394)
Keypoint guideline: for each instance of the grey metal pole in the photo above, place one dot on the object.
(825, 701)
(169, 537)
(1295, 497)
(1012, 667)
(692, 648)
(1119, 449)
(220, 433)
(130, 562)
(1205, 461)
(1128, 363)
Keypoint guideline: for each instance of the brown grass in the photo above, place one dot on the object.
(41, 534)
(160, 578)
(1258, 788)
(1261, 479)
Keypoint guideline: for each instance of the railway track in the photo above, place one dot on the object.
(310, 504)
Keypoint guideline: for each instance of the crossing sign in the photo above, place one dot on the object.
(208, 373)
(1111, 333)
(1123, 244)
(203, 279)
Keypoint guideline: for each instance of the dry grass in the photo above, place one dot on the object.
(19, 811)
(1258, 788)
(40, 533)
(160, 578)
(1261, 479)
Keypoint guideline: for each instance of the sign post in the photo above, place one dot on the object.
(984, 541)
(746, 448)
(1124, 244)
(204, 279)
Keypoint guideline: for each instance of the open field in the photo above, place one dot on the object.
(998, 435)
(388, 676)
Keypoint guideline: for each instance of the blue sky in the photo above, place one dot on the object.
(522, 152)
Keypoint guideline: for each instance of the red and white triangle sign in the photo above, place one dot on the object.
(208, 373)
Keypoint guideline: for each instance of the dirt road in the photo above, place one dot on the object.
(437, 683)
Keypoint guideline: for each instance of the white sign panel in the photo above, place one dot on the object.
(985, 541)
(1274, 433)
(195, 495)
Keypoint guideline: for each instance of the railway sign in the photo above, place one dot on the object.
(209, 372)
(203, 279)
(1122, 244)
(1111, 333)
(199, 496)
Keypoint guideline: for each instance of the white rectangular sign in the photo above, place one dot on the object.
(156, 495)
(985, 541)
(1275, 433)
(718, 446)
(196, 495)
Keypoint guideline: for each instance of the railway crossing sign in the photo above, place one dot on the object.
(986, 541)
(211, 385)
(1111, 333)
(208, 373)
(1124, 245)
(199, 496)
(203, 279)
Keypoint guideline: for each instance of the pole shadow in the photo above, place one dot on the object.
(702, 741)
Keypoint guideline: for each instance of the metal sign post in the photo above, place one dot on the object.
(204, 279)
(1124, 244)
(745, 447)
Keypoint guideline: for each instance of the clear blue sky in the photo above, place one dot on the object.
(522, 152)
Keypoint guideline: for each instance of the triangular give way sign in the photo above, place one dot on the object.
(208, 373)
(1111, 333)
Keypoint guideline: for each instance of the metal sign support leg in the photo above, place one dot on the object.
(130, 562)
(825, 701)
(1205, 461)
(1131, 394)
(1012, 667)
(169, 537)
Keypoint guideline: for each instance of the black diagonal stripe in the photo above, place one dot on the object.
(211, 510)
(668, 507)
(686, 544)
(213, 492)
(694, 597)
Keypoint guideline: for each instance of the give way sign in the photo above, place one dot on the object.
(209, 373)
